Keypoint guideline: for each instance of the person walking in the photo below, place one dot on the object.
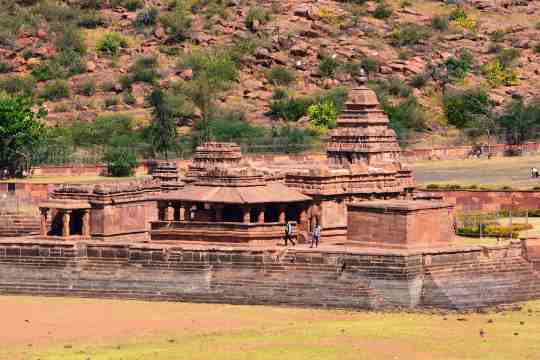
(289, 234)
(316, 236)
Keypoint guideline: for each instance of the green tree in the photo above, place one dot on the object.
(462, 108)
(162, 131)
(323, 115)
(20, 132)
(120, 160)
(213, 72)
(520, 121)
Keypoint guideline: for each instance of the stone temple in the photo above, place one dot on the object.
(216, 233)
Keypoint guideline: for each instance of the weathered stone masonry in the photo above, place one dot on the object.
(464, 278)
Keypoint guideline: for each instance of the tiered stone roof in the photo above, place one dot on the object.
(213, 154)
(362, 134)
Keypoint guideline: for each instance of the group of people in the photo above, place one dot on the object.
(315, 235)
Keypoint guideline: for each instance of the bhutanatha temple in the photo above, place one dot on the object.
(213, 231)
(223, 199)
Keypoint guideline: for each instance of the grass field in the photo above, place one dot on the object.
(80, 329)
(495, 172)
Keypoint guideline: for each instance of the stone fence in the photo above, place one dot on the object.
(489, 200)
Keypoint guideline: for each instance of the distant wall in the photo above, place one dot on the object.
(489, 200)
(458, 279)
(462, 152)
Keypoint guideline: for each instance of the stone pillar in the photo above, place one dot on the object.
(282, 214)
(260, 217)
(219, 212)
(169, 212)
(303, 216)
(86, 223)
(246, 214)
(66, 217)
(182, 213)
(44, 228)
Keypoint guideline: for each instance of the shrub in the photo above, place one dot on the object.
(146, 17)
(280, 76)
(419, 80)
(133, 5)
(494, 48)
(507, 57)
(87, 88)
(382, 11)
(129, 99)
(232, 126)
(397, 87)
(536, 48)
(405, 116)
(91, 20)
(457, 68)
(18, 85)
(47, 70)
(5, 67)
(107, 86)
(111, 44)
(370, 65)
(497, 35)
(496, 74)
(71, 40)
(177, 24)
(409, 34)
(493, 230)
(55, 90)
(289, 109)
(463, 107)
(111, 101)
(256, 14)
(144, 70)
(461, 19)
(323, 115)
(440, 22)
(121, 161)
(328, 66)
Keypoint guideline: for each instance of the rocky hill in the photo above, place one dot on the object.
(89, 57)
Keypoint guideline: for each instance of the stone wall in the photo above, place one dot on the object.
(18, 224)
(344, 279)
(489, 200)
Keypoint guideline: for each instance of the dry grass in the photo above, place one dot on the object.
(75, 329)
(495, 172)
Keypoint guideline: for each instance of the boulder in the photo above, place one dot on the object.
(302, 11)
(299, 50)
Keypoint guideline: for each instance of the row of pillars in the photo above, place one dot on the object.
(183, 209)
(66, 220)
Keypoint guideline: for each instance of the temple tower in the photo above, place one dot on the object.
(362, 135)
(213, 154)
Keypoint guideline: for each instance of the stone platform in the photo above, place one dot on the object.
(330, 276)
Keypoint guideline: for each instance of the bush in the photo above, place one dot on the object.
(71, 40)
(18, 85)
(129, 99)
(396, 87)
(232, 126)
(133, 5)
(409, 34)
(256, 14)
(5, 67)
(87, 88)
(370, 65)
(497, 35)
(323, 115)
(144, 70)
(405, 116)
(382, 11)
(493, 230)
(463, 107)
(461, 19)
(146, 17)
(55, 90)
(440, 22)
(121, 161)
(280, 76)
(496, 74)
(457, 13)
(457, 68)
(507, 57)
(419, 80)
(111, 101)
(536, 48)
(328, 66)
(111, 44)
(177, 24)
(107, 86)
(91, 20)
